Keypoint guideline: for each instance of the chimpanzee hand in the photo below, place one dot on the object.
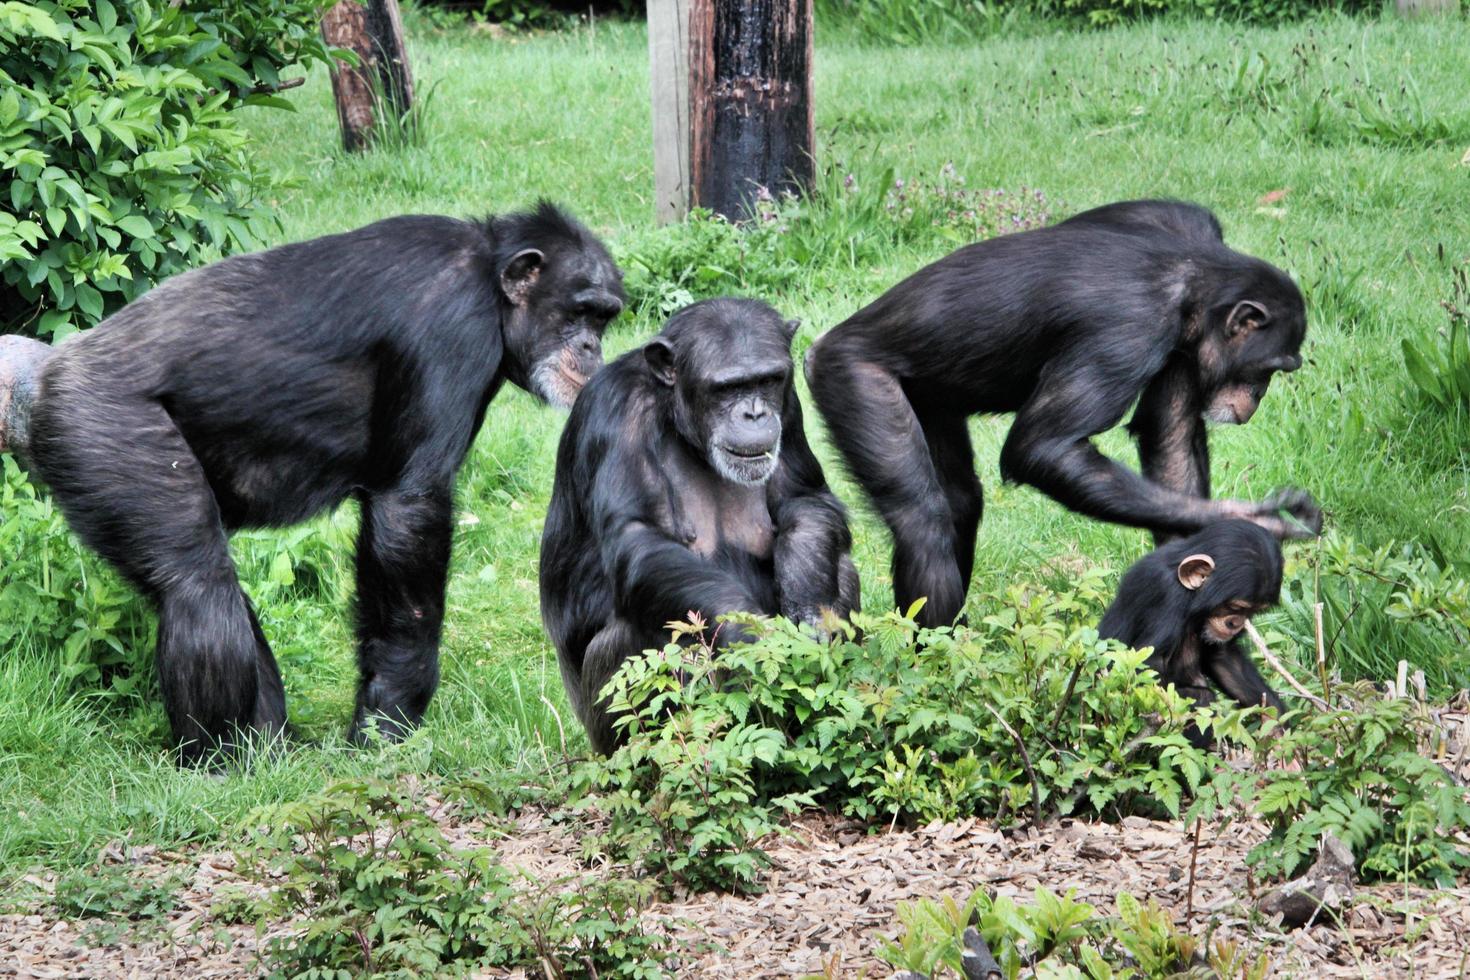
(1303, 518)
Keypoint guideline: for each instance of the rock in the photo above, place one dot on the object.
(1098, 849)
(1322, 893)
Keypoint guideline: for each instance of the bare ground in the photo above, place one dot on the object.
(832, 891)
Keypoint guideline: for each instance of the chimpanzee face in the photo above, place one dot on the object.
(560, 305)
(1225, 622)
(729, 365)
(1255, 339)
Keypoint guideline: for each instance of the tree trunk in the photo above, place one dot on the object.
(732, 106)
(750, 106)
(373, 31)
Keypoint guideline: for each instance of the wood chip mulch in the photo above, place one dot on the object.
(833, 891)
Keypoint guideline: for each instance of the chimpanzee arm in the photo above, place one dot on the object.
(1083, 393)
(1169, 425)
(1232, 669)
(813, 568)
(655, 577)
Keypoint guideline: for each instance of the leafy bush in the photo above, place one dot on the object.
(376, 888)
(1027, 711)
(54, 595)
(370, 886)
(123, 163)
(1358, 772)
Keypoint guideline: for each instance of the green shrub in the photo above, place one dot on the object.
(1360, 773)
(1026, 711)
(122, 160)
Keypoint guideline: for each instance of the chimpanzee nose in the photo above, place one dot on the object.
(591, 345)
(754, 412)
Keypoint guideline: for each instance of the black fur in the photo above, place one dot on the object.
(1153, 609)
(648, 523)
(1066, 327)
(266, 388)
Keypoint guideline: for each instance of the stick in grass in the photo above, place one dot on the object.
(1280, 668)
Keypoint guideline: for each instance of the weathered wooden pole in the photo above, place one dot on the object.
(372, 30)
(732, 86)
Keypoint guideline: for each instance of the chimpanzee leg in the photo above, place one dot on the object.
(1233, 672)
(948, 436)
(878, 434)
(402, 566)
(133, 491)
(615, 643)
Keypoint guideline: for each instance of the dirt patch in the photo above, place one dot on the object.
(833, 890)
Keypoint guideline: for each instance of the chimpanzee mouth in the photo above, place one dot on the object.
(556, 385)
(746, 465)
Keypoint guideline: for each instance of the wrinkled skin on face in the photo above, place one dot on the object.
(1256, 340)
(561, 303)
(729, 381)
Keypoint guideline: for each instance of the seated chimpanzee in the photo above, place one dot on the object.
(266, 388)
(684, 483)
(1065, 326)
(1189, 601)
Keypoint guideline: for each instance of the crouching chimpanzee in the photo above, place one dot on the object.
(1189, 600)
(684, 482)
(266, 388)
(1066, 326)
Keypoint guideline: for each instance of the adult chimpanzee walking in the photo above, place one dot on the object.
(1189, 600)
(1065, 326)
(684, 482)
(265, 388)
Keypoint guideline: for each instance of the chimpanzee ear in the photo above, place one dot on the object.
(520, 274)
(1247, 315)
(1194, 570)
(660, 358)
(790, 328)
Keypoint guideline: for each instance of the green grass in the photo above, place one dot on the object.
(1365, 122)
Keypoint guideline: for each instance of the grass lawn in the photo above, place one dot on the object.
(1363, 124)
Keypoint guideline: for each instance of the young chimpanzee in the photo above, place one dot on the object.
(684, 482)
(1066, 326)
(266, 388)
(1189, 600)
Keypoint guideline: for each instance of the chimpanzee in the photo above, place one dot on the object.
(1189, 600)
(684, 483)
(265, 388)
(1066, 326)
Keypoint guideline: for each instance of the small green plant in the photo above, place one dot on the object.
(1441, 375)
(371, 887)
(116, 900)
(1054, 936)
(594, 928)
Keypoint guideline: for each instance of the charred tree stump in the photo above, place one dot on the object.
(373, 31)
(732, 84)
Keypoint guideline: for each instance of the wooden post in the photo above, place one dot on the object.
(373, 30)
(732, 84)
(668, 56)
